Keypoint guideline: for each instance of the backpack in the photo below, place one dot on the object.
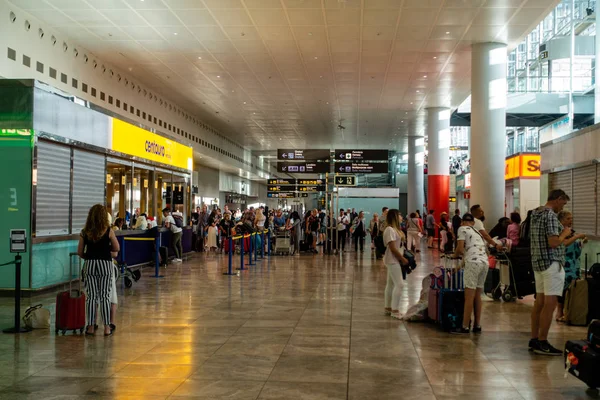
(178, 220)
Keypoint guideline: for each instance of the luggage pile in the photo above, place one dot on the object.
(447, 295)
(582, 300)
(582, 357)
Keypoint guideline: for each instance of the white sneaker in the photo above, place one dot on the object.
(177, 260)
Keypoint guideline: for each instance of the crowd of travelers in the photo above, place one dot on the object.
(547, 231)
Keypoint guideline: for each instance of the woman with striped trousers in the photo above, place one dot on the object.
(97, 244)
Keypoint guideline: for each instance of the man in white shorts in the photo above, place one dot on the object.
(547, 257)
(472, 247)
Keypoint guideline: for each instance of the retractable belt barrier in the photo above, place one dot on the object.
(253, 248)
(156, 241)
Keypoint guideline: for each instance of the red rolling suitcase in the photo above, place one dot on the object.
(70, 305)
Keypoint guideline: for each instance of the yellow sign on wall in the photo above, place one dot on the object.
(522, 166)
(138, 142)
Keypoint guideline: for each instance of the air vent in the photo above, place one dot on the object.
(26, 61)
(11, 54)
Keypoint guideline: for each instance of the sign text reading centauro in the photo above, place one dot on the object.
(133, 140)
(155, 148)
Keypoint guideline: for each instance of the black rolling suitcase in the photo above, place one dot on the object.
(593, 282)
(583, 362)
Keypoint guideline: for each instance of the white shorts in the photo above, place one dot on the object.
(475, 274)
(551, 281)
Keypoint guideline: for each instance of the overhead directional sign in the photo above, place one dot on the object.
(318, 188)
(360, 155)
(304, 167)
(345, 180)
(361, 168)
(281, 181)
(311, 181)
(301, 155)
(286, 195)
(281, 188)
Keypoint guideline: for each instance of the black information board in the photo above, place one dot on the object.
(359, 155)
(318, 188)
(286, 195)
(281, 181)
(303, 154)
(281, 188)
(311, 181)
(304, 167)
(345, 180)
(361, 168)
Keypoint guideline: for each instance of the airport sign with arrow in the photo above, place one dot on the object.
(345, 180)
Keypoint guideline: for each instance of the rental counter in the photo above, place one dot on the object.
(61, 156)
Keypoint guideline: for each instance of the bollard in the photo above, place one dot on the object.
(156, 259)
(18, 328)
(230, 258)
(251, 249)
(242, 254)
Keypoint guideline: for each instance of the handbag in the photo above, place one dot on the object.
(37, 317)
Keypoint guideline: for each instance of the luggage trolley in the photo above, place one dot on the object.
(282, 241)
(516, 278)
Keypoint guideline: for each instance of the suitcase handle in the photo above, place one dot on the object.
(71, 255)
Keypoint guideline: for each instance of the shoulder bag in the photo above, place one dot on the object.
(37, 317)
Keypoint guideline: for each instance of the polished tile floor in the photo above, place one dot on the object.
(300, 327)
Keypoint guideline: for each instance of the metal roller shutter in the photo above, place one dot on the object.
(89, 177)
(583, 200)
(561, 180)
(52, 189)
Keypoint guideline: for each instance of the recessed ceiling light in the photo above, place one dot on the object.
(199, 58)
(320, 76)
(401, 121)
(411, 102)
(218, 76)
(279, 138)
(254, 113)
(327, 102)
(316, 58)
(447, 33)
(175, 33)
(435, 58)
(310, 34)
(244, 102)
(418, 91)
(424, 76)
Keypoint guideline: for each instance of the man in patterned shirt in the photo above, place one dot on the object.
(548, 258)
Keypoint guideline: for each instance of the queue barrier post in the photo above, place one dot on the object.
(17, 328)
(251, 250)
(230, 257)
(241, 268)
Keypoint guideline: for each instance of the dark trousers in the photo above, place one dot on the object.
(341, 239)
(358, 238)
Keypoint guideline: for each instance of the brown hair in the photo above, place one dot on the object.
(393, 220)
(96, 224)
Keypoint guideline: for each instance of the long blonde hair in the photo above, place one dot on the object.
(96, 223)
(393, 220)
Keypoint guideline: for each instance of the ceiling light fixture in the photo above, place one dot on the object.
(435, 58)
(447, 33)
(424, 76)
(199, 58)
(418, 91)
(316, 58)
(218, 76)
(244, 102)
(411, 102)
(175, 33)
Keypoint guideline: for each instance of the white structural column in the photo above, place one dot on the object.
(597, 70)
(416, 156)
(488, 129)
(438, 160)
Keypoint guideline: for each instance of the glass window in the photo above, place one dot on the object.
(118, 190)
(143, 191)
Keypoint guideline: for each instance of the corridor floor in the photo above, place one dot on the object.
(300, 327)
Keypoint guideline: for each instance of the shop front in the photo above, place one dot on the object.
(66, 157)
(522, 177)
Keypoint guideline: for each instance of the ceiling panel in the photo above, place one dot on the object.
(294, 68)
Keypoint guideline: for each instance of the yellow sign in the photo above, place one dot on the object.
(138, 142)
(522, 166)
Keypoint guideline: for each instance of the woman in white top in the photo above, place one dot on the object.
(259, 220)
(413, 231)
(394, 239)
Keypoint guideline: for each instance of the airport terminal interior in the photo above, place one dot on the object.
(263, 199)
